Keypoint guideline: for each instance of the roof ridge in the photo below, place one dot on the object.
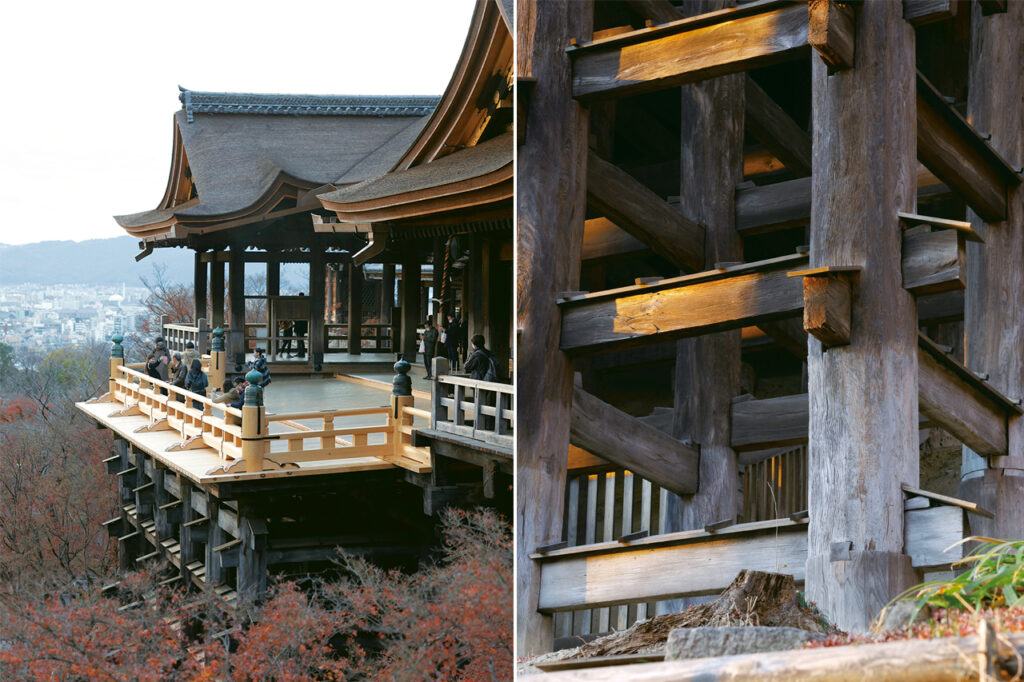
(200, 102)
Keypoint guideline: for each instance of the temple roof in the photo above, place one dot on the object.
(196, 102)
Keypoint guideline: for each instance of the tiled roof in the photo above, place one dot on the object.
(195, 102)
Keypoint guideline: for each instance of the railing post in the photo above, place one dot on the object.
(438, 412)
(401, 398)
(218, 359)
(202, 336)
(116, 361)
(254, 424)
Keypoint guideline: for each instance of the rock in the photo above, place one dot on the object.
(709, 642)
(900, 614)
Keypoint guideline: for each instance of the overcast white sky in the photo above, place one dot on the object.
(89, 89)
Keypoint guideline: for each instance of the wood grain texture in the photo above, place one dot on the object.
(827, 302)
(642, 213)
(707, 373)
(863, 397)
(767, 208)
(688, 52)
(933, 262)
(831, 32)
(603, 239)
(993, 314)
(636, 317)
(776, 130)
(551, 209)
(921, 12)
(953, 149)
(613, 435)
(930, 535)
(768, 423)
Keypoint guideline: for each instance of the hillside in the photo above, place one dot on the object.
(94, 261)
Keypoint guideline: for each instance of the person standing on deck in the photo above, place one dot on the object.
(430, 337)
(196, 382)
(178, 373)
(162, 357)
(189, 355)
(259, 364)
(301, 327)
(482, 364)
(285, 329)
(452, 334)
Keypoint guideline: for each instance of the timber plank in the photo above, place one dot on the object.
(934, 262)
(689, 50)
(768, 423)
(921, 12)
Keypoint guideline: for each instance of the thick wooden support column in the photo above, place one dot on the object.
(688, 50)
(686, 306)
(617, 437)
(251, 575)
(863, 396)
(331, 298)
(643, 214)
(215, 536)
(551, 202)
(199, 289)
(993, 314)
(355, 309)
(236, 299)
(387, 294)
(500, 297)
(707, 372)
(216, 292)
(958, 155)
(410, 303)
(186, 533)
(317, 301)
(273, 276)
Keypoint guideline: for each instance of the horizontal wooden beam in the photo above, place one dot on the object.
(960, 402)
(689, 50)
(933, 262)
(921, 12)
(690, 305)
(959, 156)
(770, 423)
(831, 32)
(643, 214)
(776, 130)
(604, 239)
(697, 563)
(611, 434)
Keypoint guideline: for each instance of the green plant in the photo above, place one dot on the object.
(995, 580)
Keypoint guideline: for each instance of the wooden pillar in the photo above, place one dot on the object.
(199, 287)
(273, 275)
(410, 302)
(499, 304)
(251, 583)
(387, 292)
(707, 374)
(478, 275)
(236, 300)
(355, 308)
(438, 280)
(317, 295)
(331, 294)
(216, 291)
(993, 315)
(551, 201)
(163, 528)
(863, 396)
(215, 536)
(186, 533)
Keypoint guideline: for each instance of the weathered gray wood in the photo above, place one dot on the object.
(215, 537)
(617, 437)
(317, 304)
(355, 308)
(644, 214)
(649, 569)
(689, 50)
(952, 149)
(236, 301)
(776, 130)
(551, 209)
(217, 293)
(863, 396)
(251, 576)
(994, 316)
(773, 207)
(827, 303)
(933, 262)
(199, 290)
(410, 303)
(831, 32)
(677, 308)
(921, 12)
(930, 535)
(929, 496)
(773, 422)
(961, 403)
(938, 308)
(187, 533)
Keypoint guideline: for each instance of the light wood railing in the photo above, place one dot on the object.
(177, 335)
(482, 410)
(376, 337)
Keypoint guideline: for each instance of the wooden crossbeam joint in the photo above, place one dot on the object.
(831, 32)
(828, 300)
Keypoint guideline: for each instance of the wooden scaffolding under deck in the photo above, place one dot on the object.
(815, 195)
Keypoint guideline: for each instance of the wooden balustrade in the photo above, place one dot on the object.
(375, 337)
(483, 410)
(177, 335)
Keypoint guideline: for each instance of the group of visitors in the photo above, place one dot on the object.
(482, 364)
(288, 329)
(185, 371)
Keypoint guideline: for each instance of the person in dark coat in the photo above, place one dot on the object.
(259, 364)
(284, 328)
(196, 382)
(482, 364)
(234, 393)
(452, 334)
(162, 356)
(430, 337)
(178, 372)
(301, 328)
(151, 366)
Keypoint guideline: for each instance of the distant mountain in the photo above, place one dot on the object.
(94, 261)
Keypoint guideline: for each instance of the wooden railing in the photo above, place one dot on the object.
(250, 440)
(375, 337)
(482, 410)
(177, 335)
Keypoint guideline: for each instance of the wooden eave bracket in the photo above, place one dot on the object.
(828, 298)
(934, 262)
(831, 32)
(972, 507)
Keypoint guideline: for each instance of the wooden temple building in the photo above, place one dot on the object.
(391, 201)
(768, 252)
